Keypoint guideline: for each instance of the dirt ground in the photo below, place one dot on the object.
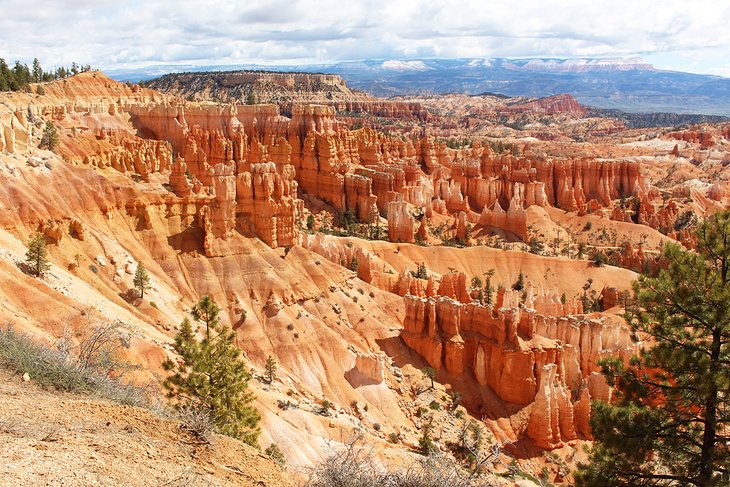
(50, 438)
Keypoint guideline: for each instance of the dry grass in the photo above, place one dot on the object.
(93, 370)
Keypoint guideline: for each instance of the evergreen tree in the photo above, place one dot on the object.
(4, 76)
(37, 74)
(141, 279)
(488, 288)
(668, 422)
(37, 255)
(270, 369)
(212, 376)
(520, 284)
(206, 311)
(50, 137)
(354, 264)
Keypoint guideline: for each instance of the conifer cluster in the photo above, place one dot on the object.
(20, 76)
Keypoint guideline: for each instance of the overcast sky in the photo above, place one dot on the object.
(689, 36)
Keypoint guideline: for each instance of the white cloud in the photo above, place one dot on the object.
(135, 33)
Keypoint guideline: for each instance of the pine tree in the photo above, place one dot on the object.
(520, 284)
(270, 368)
(37, 255)
(668, 422)
(141, 279)
(50, 137)
(37, 73)
(212, 377)
(488, 288)
(354, 264)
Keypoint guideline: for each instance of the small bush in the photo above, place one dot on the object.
(377, 426)
(93, 268)
(434, 405)
(325, 408)
(274, 452)
(196, 421)
(92, 369)
(356, 465)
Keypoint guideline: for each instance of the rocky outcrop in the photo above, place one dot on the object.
(337, 252)
(382, 108)
(545, 364)
(14, 132)
(550, 105)
(514, 220)
(264, 86)
(400, 222)
(702, 137)
(267, 204)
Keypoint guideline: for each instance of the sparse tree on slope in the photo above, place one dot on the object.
(37, 255)
(141, 280)
(50, 137)
(271, 366)
(668, 422)
(212, 377)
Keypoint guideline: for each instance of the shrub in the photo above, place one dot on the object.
(196, 421)
(274, 452)
(434, 405)
(325, 407)
(599, 258)
(355, 465)
(92, 367)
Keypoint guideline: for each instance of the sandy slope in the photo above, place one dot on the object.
(50, 438)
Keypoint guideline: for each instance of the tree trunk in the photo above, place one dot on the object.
(710, 434)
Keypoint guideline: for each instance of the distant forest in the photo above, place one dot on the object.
(20, 76)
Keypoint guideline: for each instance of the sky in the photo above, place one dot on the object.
(129, 34)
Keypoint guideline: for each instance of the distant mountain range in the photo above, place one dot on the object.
(630, 85)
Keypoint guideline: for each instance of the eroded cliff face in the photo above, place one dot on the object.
(364, 171)
(545, 364)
